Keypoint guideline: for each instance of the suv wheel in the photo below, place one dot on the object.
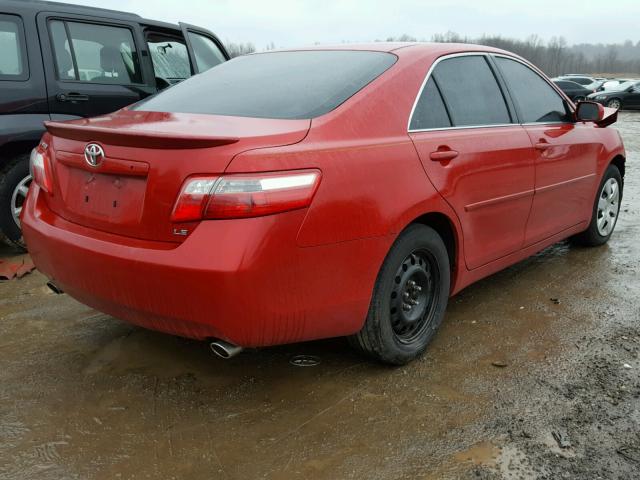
(14, 185)
(409, 298)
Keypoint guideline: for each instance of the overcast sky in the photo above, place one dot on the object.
(290, 23)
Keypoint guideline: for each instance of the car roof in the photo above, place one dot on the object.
(425, 47)
(36, 6)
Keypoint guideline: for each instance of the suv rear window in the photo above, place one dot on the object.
(12, 59)
(285, 85)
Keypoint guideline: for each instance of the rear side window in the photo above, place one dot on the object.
(13, 61)
(536, 100)
(430, 111)
(94, 53)
(206, 51)
(286, 85)
(471, 92)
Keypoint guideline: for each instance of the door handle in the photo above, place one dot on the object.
(443, 155)
(542, 145)
(72, 97)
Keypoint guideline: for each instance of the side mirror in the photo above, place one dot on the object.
(596, 113)
(589, 112)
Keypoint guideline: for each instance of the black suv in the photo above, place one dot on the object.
(59, 62)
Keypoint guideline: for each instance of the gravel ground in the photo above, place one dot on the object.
(534, 375)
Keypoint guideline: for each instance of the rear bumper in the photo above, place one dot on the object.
(244, 281)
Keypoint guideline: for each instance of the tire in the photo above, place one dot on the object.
(614, 103)
(606, 206)
(396, 330)
(14, 174)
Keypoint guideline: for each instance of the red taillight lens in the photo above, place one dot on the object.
(192, 199)
(41, 168)
(245, 195)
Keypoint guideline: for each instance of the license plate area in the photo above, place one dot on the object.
(104, 197)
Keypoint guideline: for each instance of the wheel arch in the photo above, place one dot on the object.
(445, 227)
(620, 162)
(11, 150)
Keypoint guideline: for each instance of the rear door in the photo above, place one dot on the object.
(475, 154)
(92, 65)
(566, 153)
(633, 97)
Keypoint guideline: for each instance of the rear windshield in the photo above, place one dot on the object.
(285, 85)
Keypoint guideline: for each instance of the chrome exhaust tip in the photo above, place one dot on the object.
(224, 349)
(54, 288)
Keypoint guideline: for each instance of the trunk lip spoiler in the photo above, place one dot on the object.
(135, 138)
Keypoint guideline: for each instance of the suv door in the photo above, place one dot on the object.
(566, 154)
(475, 154)
(204, 48)
(92, 66)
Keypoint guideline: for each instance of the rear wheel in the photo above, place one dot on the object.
(409, 298)
(605, 210)
(14, 185)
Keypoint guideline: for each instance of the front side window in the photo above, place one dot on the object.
(430, 111)
(284, 85)
(206, 51)
(93, 53)
(471, 92)
(12, 57)
(536, 100)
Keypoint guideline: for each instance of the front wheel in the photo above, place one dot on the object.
(605, 210)
(409, 298)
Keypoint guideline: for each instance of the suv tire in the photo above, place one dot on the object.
(12, 174)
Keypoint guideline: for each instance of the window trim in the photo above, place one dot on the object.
(25, 75)
(503, 88)
(66, 20)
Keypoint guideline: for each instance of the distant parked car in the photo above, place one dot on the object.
(573, 90)
(625, 95)
(60, 62)
(590, 83)
(312, 193)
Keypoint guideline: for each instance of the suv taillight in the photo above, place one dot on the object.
(40, 167)
(244, 195)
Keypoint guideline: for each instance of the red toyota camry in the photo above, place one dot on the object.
(298, 195)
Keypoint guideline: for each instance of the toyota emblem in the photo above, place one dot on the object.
(93, 154)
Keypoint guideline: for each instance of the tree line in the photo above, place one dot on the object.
(554, 57)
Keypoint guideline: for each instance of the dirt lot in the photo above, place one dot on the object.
(541, 355)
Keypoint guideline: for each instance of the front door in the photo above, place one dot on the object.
(476, 156)
(566, 155)
(92, 66)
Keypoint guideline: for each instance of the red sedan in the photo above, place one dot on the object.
(298, 195)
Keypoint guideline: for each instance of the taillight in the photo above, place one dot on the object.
(245, 195)
(41, 167)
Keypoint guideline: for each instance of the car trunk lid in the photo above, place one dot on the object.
(142, 160)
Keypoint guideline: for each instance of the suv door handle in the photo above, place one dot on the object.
(542, 145)
(443, 155)
(72, 97)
